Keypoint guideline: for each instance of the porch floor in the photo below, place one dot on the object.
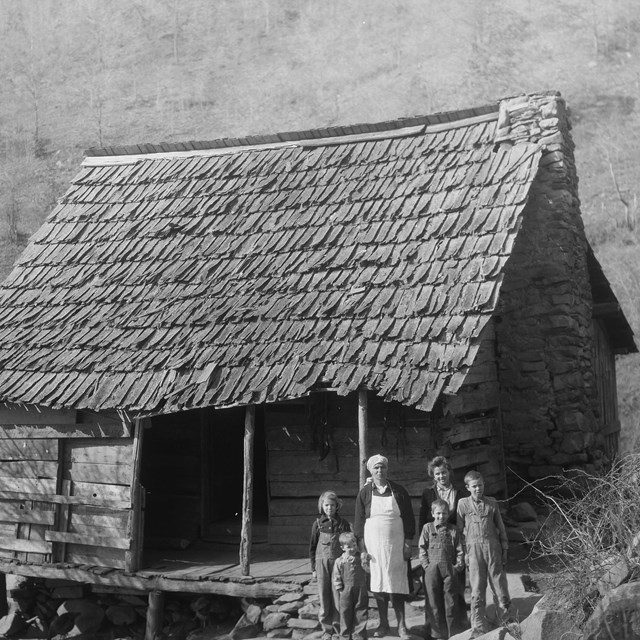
(205, 559)
(205, 567)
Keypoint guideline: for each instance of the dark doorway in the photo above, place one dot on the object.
(226, 452)
(192, 472)
(171, 477)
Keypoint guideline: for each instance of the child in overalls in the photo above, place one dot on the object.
(324, 549)
(350, 583)
(486, 543)
(442, 558)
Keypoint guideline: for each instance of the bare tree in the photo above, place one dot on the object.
(29, 52)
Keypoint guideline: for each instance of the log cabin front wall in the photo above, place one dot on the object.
(70, 487)
(312, 446)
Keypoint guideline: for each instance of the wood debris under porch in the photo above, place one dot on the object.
(205, 568)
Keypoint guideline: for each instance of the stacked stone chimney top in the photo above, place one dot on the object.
(538, 118)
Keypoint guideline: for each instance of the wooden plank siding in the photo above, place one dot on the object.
(98, 470)
(606, 403)
(65, 486)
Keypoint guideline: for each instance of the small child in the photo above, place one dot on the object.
(486, 544)
(324, 548)
(350, 583)
(442, 557)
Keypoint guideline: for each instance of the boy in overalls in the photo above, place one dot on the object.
(442, 557)
(350, 583)
(324, 549)
(486, 543)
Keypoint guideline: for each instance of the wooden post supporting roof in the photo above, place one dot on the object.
(135, 527)
(247, 489)
(363, 421)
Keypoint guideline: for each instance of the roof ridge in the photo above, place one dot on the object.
(441, 118)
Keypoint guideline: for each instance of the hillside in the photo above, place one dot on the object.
(85, 73)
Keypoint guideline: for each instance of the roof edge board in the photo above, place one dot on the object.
(93, 161)
(404, 132)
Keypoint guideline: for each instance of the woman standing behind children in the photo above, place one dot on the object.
(324, 549)
(486, 544)
(442, 558)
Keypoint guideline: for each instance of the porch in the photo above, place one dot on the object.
(203, 568)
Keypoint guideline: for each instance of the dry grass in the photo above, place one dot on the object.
(593, 526)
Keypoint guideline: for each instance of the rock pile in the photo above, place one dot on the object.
(523, 523)
(292, 615)
(56, 609)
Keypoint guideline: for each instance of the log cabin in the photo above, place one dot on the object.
(203, 337)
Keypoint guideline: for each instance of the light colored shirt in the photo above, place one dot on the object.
(448, 495)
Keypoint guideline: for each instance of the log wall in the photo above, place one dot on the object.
(312, 446)
(605, 397)
(65, 486)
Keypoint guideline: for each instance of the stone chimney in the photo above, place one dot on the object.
(544, 327)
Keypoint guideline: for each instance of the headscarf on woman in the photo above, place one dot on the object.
(384, 526)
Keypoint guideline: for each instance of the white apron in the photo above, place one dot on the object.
(384, 540)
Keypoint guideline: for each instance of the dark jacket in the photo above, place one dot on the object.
(333, 526)
(429, 495)
(363, 509)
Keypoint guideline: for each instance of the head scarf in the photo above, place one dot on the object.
(377, 459)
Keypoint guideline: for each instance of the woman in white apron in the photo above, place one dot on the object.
(384, 525)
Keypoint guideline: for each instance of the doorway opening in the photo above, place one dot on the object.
(192, 473)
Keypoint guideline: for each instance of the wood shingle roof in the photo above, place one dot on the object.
(235, 275)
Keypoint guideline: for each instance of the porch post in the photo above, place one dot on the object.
(135, 529)
(155, 615)
(363, 421)
(247, 489)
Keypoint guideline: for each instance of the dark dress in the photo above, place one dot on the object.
(429, 495)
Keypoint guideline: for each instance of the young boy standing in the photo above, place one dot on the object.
(350, 584)
(486, 544)
(442, 557)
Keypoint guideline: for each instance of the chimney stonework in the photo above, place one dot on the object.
(543, 335)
